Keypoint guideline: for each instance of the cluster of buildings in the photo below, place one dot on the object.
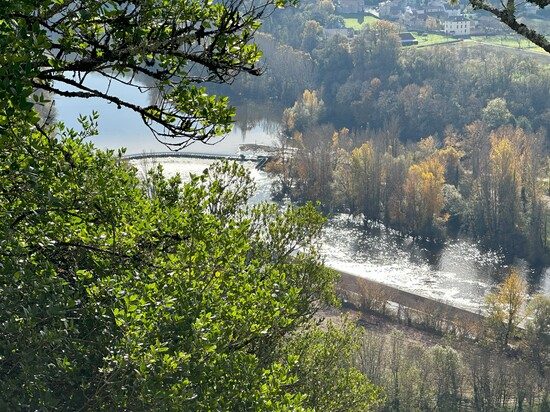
(428, 15)
(431, 15)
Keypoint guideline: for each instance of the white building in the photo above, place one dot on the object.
(457, 27)
(453, 12)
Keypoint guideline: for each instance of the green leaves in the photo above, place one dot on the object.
(171, 47)
(148, 294)
(324, 361)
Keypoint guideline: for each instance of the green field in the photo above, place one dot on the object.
(512, 41)
(353, 22)
(429, 39)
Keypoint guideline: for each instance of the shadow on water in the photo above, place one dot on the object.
(458, 270)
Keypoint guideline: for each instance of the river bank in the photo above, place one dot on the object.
(367, 296)
(458, 273)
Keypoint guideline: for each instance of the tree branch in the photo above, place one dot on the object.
(508, 17)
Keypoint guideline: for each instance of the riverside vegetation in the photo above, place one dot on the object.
(490, 184)
(431, 141)
(494, 365)
(153, 294)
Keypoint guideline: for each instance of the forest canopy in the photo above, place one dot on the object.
(121, 292)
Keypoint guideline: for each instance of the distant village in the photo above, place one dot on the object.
(435, 16)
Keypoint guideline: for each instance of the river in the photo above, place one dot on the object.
(458, 272)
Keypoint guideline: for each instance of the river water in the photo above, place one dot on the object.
(458, 272)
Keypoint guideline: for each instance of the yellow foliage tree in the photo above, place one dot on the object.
(305, 113)
(500, 189)
(424, 195)
(450, 157)
(366, 171)
(504, 308)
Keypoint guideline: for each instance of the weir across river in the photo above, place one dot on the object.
(260, 160)
(367, 294)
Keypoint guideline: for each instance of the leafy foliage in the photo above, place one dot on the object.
(328, 372)
(505, 309)
(148, 294)
(168, 47)
(142, 294)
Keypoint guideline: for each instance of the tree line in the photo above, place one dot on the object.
(488, 183)
(499, 364)
(444, 377)
(370, 80)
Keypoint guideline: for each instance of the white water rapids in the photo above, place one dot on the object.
(458, 272)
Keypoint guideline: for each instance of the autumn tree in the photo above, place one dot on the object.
(367, 177)
(396, 171)
(505, 309)
(477, 146)
(506, 206)
(450, 157)
(313, 164)
(496, 113)
(423, 196)
(305, 113)
(504, 191)
(344, 184)
(311, 36)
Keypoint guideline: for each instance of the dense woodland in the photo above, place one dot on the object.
(431, 141)
(121, 291)
(484, 183)
(370, 81)
(420, 376)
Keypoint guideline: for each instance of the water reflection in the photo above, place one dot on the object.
(250, 117)
(124, 128)
(458, 271)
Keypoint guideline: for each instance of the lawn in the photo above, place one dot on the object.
(513, 41)
(353, 22)
(429, 39)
